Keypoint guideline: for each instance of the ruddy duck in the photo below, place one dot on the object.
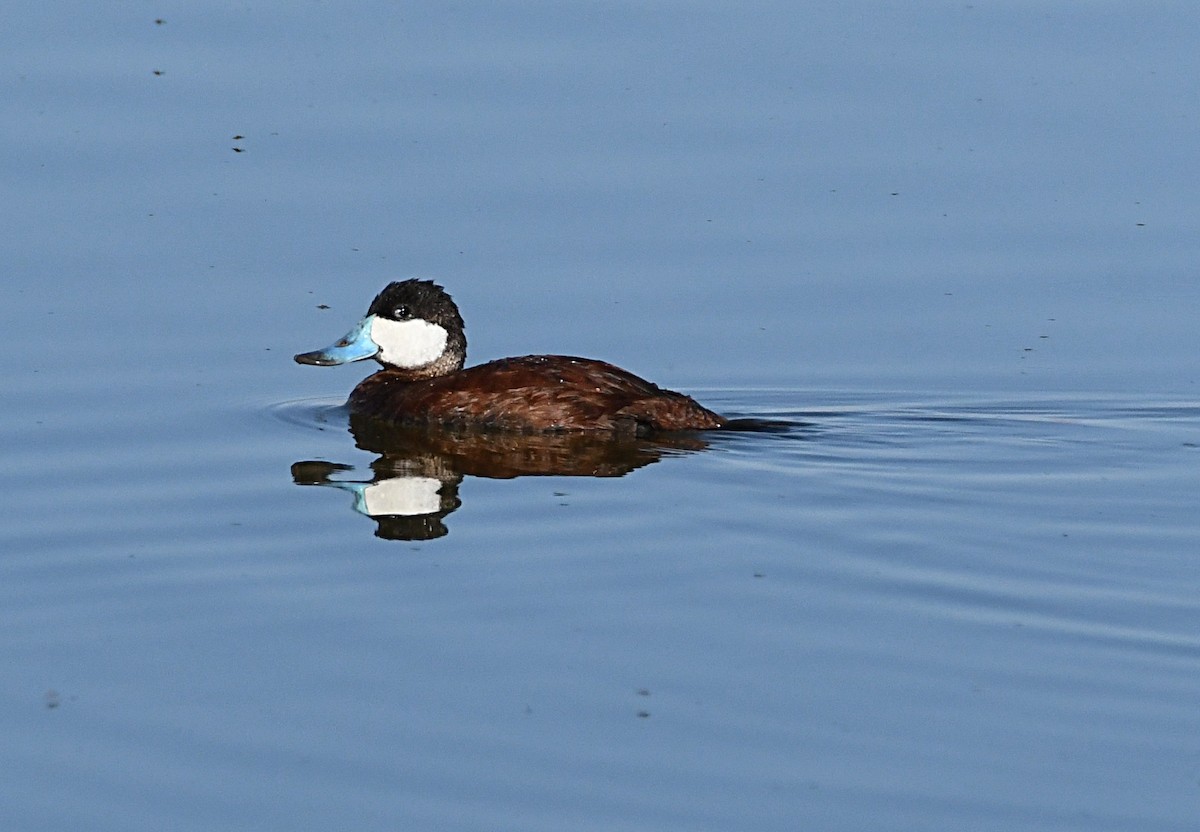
(415, 331)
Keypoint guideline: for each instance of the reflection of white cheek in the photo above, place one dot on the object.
(404, 496)
(408, 343)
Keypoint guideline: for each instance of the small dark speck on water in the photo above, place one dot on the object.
(322, 305)
(643, 714)
(53, 700)
(158, 72)
(158, 21)
(238, 138)
(643, 692)
(239, 150)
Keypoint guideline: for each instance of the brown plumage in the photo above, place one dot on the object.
(533, 393)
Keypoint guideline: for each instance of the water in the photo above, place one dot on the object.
(946, 248)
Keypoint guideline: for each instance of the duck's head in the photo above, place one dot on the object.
(412, 327)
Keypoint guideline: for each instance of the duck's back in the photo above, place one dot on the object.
(533, 393)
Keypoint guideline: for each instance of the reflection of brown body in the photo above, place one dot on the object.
(532, 394)
(444, 453)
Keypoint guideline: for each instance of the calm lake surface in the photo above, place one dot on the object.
(949, 249)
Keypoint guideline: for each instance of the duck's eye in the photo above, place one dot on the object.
(401, 313)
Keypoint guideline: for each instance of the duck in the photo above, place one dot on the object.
(414, 330)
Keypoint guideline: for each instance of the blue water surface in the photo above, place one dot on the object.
(948, 247)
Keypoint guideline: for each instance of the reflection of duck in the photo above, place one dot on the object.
(415, 481)
(415, 331)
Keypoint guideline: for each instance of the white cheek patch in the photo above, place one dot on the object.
(408, 344)
(404, 496)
